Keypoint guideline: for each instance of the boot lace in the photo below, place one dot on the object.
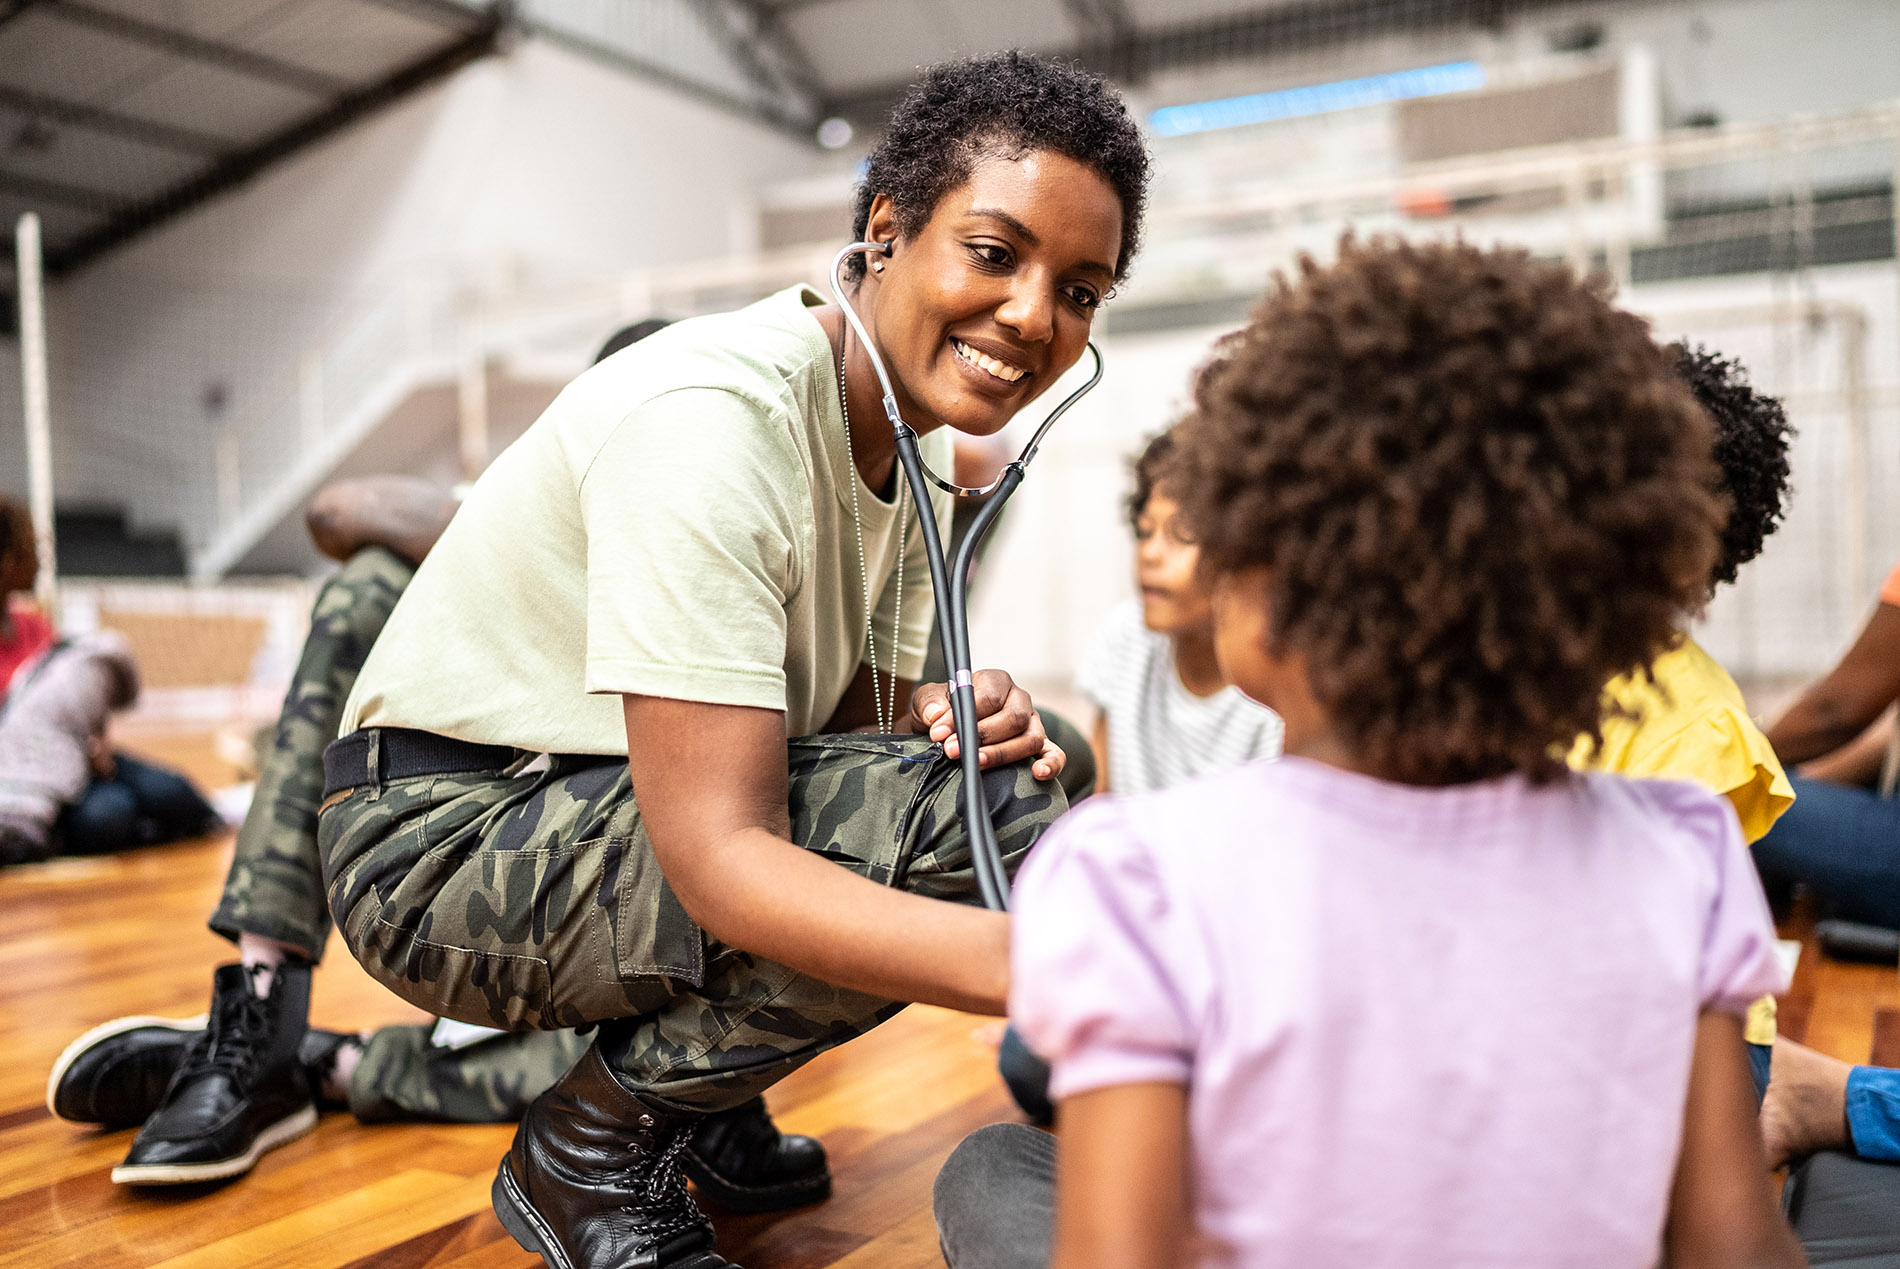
(665, 1191)
(228, 1045)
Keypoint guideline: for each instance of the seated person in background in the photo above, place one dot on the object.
(1165, 713)
(1413, 993)
(1842, 840)
(62, 788)
(207, 1117)
(1684, 719)
(24, 630)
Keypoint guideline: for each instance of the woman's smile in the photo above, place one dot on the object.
(985, 306)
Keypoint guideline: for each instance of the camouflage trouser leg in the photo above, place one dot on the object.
(275, 886)
(534, 901)
(405, 1075)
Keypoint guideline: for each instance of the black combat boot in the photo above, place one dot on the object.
(240, 1089)
(593, 1181)
(740, 1160)
(116, 1074)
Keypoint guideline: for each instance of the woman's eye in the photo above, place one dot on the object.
(1082, 297)
(990, 254)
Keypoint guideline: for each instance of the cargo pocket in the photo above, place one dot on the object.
(651, 934)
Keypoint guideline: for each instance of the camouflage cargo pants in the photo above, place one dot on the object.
(406, 1075)
(533, 900)
(275, 883)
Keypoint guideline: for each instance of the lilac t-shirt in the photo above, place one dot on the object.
(1419, 1026)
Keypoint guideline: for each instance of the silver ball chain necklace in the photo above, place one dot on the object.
(886, 715)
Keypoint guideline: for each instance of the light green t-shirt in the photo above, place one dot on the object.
(677, 523)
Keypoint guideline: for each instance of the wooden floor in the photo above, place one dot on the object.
(86, 940)
(82, 941)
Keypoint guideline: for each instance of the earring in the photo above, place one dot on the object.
(877, 266)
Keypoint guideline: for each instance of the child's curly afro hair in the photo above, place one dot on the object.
(1751, 448)
(1474, 491)
(1006, 104)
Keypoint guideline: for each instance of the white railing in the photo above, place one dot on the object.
(1597, 203)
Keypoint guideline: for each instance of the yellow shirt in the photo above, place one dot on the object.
(1691, 724)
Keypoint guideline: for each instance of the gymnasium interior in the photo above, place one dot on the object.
(265, 246)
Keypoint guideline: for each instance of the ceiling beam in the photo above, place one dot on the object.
(779, 77)
(746, 108)
(234, 169)
(11, 9)
(38, 189)
(128, 127)
(770, 30)
(210, 52)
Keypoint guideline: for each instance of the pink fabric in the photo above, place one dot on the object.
(1890, 589)
(1420, 1026)
(32, 634)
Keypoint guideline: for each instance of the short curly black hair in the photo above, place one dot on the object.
(1003, 104)
(1477, 490)
(1150, 469)
(1752, 435)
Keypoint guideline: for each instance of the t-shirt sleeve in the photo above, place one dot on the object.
(1738, 964)
(1091, 990)
(692, 536)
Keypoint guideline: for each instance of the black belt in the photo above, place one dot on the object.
(376, 754)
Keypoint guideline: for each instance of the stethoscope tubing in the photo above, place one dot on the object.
(950, 581)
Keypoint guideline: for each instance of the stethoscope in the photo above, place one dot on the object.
(951, 581)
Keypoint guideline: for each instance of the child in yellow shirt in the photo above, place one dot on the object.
(1686, 720)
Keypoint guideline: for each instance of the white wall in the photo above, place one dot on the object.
(538, 165)
(1063, 555)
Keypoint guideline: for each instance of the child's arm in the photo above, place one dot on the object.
(1722, 1210)
(1098, 740)
(1122, 1179)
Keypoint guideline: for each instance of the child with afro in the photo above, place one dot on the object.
(1416, 993)
(1684, 718)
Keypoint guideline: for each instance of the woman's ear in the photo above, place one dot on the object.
(881, 224)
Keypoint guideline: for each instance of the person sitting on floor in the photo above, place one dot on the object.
(63, 790)
(174, 1077)
(1842, 840)
(1164, 713)
(1683, 717)
(1413, 993)
(25, 631)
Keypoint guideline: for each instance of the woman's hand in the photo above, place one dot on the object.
(1008, 727)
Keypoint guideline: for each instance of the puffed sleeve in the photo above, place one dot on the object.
(1093, 990)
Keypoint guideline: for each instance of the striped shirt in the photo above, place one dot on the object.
(1159, 733)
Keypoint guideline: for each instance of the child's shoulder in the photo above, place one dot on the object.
(1188, 820)
(1696, 823)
